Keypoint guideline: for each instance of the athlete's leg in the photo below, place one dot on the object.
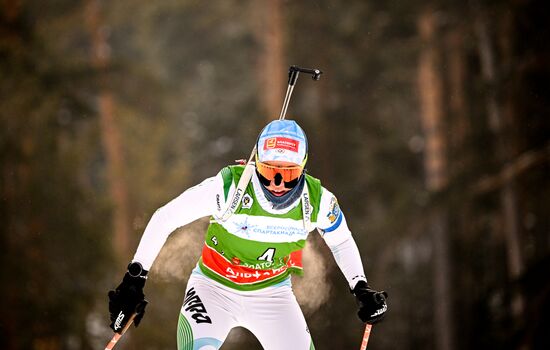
(206, 316)
(275, 318)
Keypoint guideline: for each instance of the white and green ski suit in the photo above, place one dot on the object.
(243, 275)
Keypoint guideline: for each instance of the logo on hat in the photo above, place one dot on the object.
(270, 143)
(282, 143)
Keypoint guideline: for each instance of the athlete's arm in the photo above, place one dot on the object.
(332, 226)
(196, 202)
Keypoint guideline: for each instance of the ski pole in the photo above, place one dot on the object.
(366, 336)
(111, 344)
(379, 298)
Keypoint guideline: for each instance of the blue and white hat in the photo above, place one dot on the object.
(282, 140)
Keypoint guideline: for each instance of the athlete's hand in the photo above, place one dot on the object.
(128, 298)
(372, 304)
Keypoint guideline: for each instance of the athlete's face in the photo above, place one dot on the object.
(277, 185)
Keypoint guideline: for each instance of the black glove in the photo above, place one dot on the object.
(372, 304)
(128, 298)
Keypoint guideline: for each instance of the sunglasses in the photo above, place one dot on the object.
(288, 174)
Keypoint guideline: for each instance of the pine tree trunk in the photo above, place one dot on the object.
(15, 219)
(109, 132)
(508, 193)
(456, 74)
(431, 107)
(271, 68)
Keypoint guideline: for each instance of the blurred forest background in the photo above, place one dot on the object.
(430, 123)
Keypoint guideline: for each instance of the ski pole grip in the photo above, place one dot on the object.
(294, 70)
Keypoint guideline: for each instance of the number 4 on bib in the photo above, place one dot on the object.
(267, 255)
